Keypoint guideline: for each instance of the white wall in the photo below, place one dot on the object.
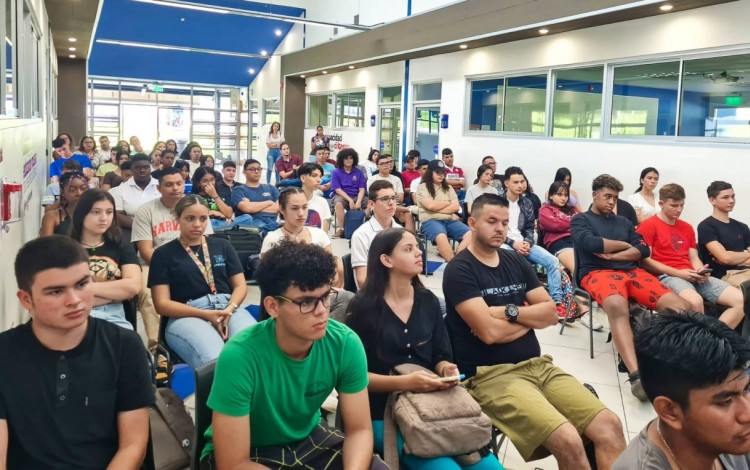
(694, 165)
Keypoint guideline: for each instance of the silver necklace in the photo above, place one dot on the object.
(669, 449)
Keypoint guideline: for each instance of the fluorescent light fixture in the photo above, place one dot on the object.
(72, 56)
(463, 46)
(255, 14)
(666, 7)
(72, 39)
(72, 49)
(165, 47)
(543, 31)
(278, 32)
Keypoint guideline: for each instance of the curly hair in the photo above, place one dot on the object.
(305, 266)
(606, 181)
(350, 152)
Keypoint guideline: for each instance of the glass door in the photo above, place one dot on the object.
(390, 131)
(426, 128)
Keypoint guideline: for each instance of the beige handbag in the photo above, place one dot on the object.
(435, 424)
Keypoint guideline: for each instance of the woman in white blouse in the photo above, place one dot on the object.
(273, 142)
(644, 199)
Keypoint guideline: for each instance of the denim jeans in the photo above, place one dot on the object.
(244, 220)
(539, 255)
(113, 313)
(195, 340)
(271, 157)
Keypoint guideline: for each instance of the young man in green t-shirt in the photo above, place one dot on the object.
(272, 379)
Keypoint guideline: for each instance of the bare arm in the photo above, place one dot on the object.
(120, 289)
(489, 329)
(614, 246)
(433, 205)
(132, 432)
(124, 220)
(361, 273)
(239, 288)
(145, 249)
(630, 254)
(231, 437)
(3, 444)
(249, 207)
(728, 258)
(355, 413)
(49, 223)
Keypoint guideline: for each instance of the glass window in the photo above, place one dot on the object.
(319, 108)
(577, 108)
(390, 94)
(254, 123)
(715, 99)
(427, 91)
(204, 98)
(525, 104)
(350, 109)
(271, 111)
(486, 105)
(10, 58)
(644, 100)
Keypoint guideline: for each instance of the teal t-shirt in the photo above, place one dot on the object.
(282, 395)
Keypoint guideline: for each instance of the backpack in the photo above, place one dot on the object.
(352, 220)
(246, 241)
(445, 422)
(172, 431)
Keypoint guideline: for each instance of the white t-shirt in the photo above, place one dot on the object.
(639, 203)
(362, 239)
(193, 167)
(129, 196)
(475, 191)
(414, 185)
(317, 236)
(515, 213)
(398, 185)
(318, 211)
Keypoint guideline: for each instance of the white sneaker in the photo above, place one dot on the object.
(587, 320)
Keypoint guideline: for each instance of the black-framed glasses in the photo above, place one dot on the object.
(386, 163)
(254, 169)
(387, 199)
(309, 304)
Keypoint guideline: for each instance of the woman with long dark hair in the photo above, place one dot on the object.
(273, 144)
(482, 186)
(72, 186)
(113, 263)
(643, 199)
(204, 185)
(564, 175)
(87, 146)
(399, 321)
(371, 164)
(199, 283)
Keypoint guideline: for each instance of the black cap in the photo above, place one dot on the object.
(436, 165)
(423, 162)
(57, 143)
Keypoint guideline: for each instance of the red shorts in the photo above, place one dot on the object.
(636, 285)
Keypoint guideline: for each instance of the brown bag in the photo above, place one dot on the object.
(172, 432)
(435, 424)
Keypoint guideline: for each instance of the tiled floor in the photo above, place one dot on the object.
(570, 352)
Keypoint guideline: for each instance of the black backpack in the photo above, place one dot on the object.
(246, 241)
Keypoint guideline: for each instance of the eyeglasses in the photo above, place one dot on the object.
(309, 304)
(386, 163)
(254, 169)
(387, 199)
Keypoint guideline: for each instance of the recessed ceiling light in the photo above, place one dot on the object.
(278, 32)
(666, 7)
(543, 31)
(302, 76)
(72, 56)
(72, 49)
(325, 72)
(463, 46)
(263, 53)
(351, 67)
(72, 39)
(251, 71)
(182, 19)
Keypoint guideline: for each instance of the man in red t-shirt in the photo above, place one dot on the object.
(411, 172)
(674, 259)
(454, 175)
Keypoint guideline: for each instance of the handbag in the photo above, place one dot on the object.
(172, 432)
(441, 423)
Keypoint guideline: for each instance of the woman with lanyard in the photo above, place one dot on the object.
(72, 186)
(399, 322)
(199, 283)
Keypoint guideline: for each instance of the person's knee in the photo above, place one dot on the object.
(605, 428)
(616, 306)
(672, 301)
(466, 237)
(565, 437)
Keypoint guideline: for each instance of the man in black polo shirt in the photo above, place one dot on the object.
(75, 390)
(494, 303)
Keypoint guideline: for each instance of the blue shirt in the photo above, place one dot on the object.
(264, 192)
(55, 168)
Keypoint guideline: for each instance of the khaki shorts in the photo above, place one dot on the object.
(735, 277)
(529, 400)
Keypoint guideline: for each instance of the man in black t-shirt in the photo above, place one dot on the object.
(495, 302)
(723, 242)
(75, 390)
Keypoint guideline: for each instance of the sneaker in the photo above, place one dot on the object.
(636, 388)
(588, 321)
(576, 310)
(562, 313)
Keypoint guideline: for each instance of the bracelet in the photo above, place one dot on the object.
(235, 306)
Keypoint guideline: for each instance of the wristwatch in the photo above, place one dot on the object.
(511, 311)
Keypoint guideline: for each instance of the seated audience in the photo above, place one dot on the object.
(135, 142)
(643, 199)
(75, 391)
(565, 176)
(286, 166)
(495, 302)
(204, 185)
(410, 173)
(110, 165)
(454, 175)
(318, 210)
(694, 371)
(482, 186)
(192, 154)
(72, 186)
(674, 258)
(155, 157)
(105, 150)
(723, 242)
(113, 264)
(609, 250)
(167, 161)
(256, 199)
(348, 183)
(126, 172)
(528, 192)
(321, 158)
(414, 185)
(385, 164)
(55, 168)
(395, 298)
(132, 194)
(111, 174)
(520, 236)
(226, 184)
(51, 198)
(438, 204)
(382, 204)
(272, 379)
(371, 164)
(183, 167)
(497, 179)
(199, 283)
(293, 210)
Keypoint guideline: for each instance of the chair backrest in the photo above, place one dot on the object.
(204, 379)
(577, 261)
(465, 212)
(349, 283)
